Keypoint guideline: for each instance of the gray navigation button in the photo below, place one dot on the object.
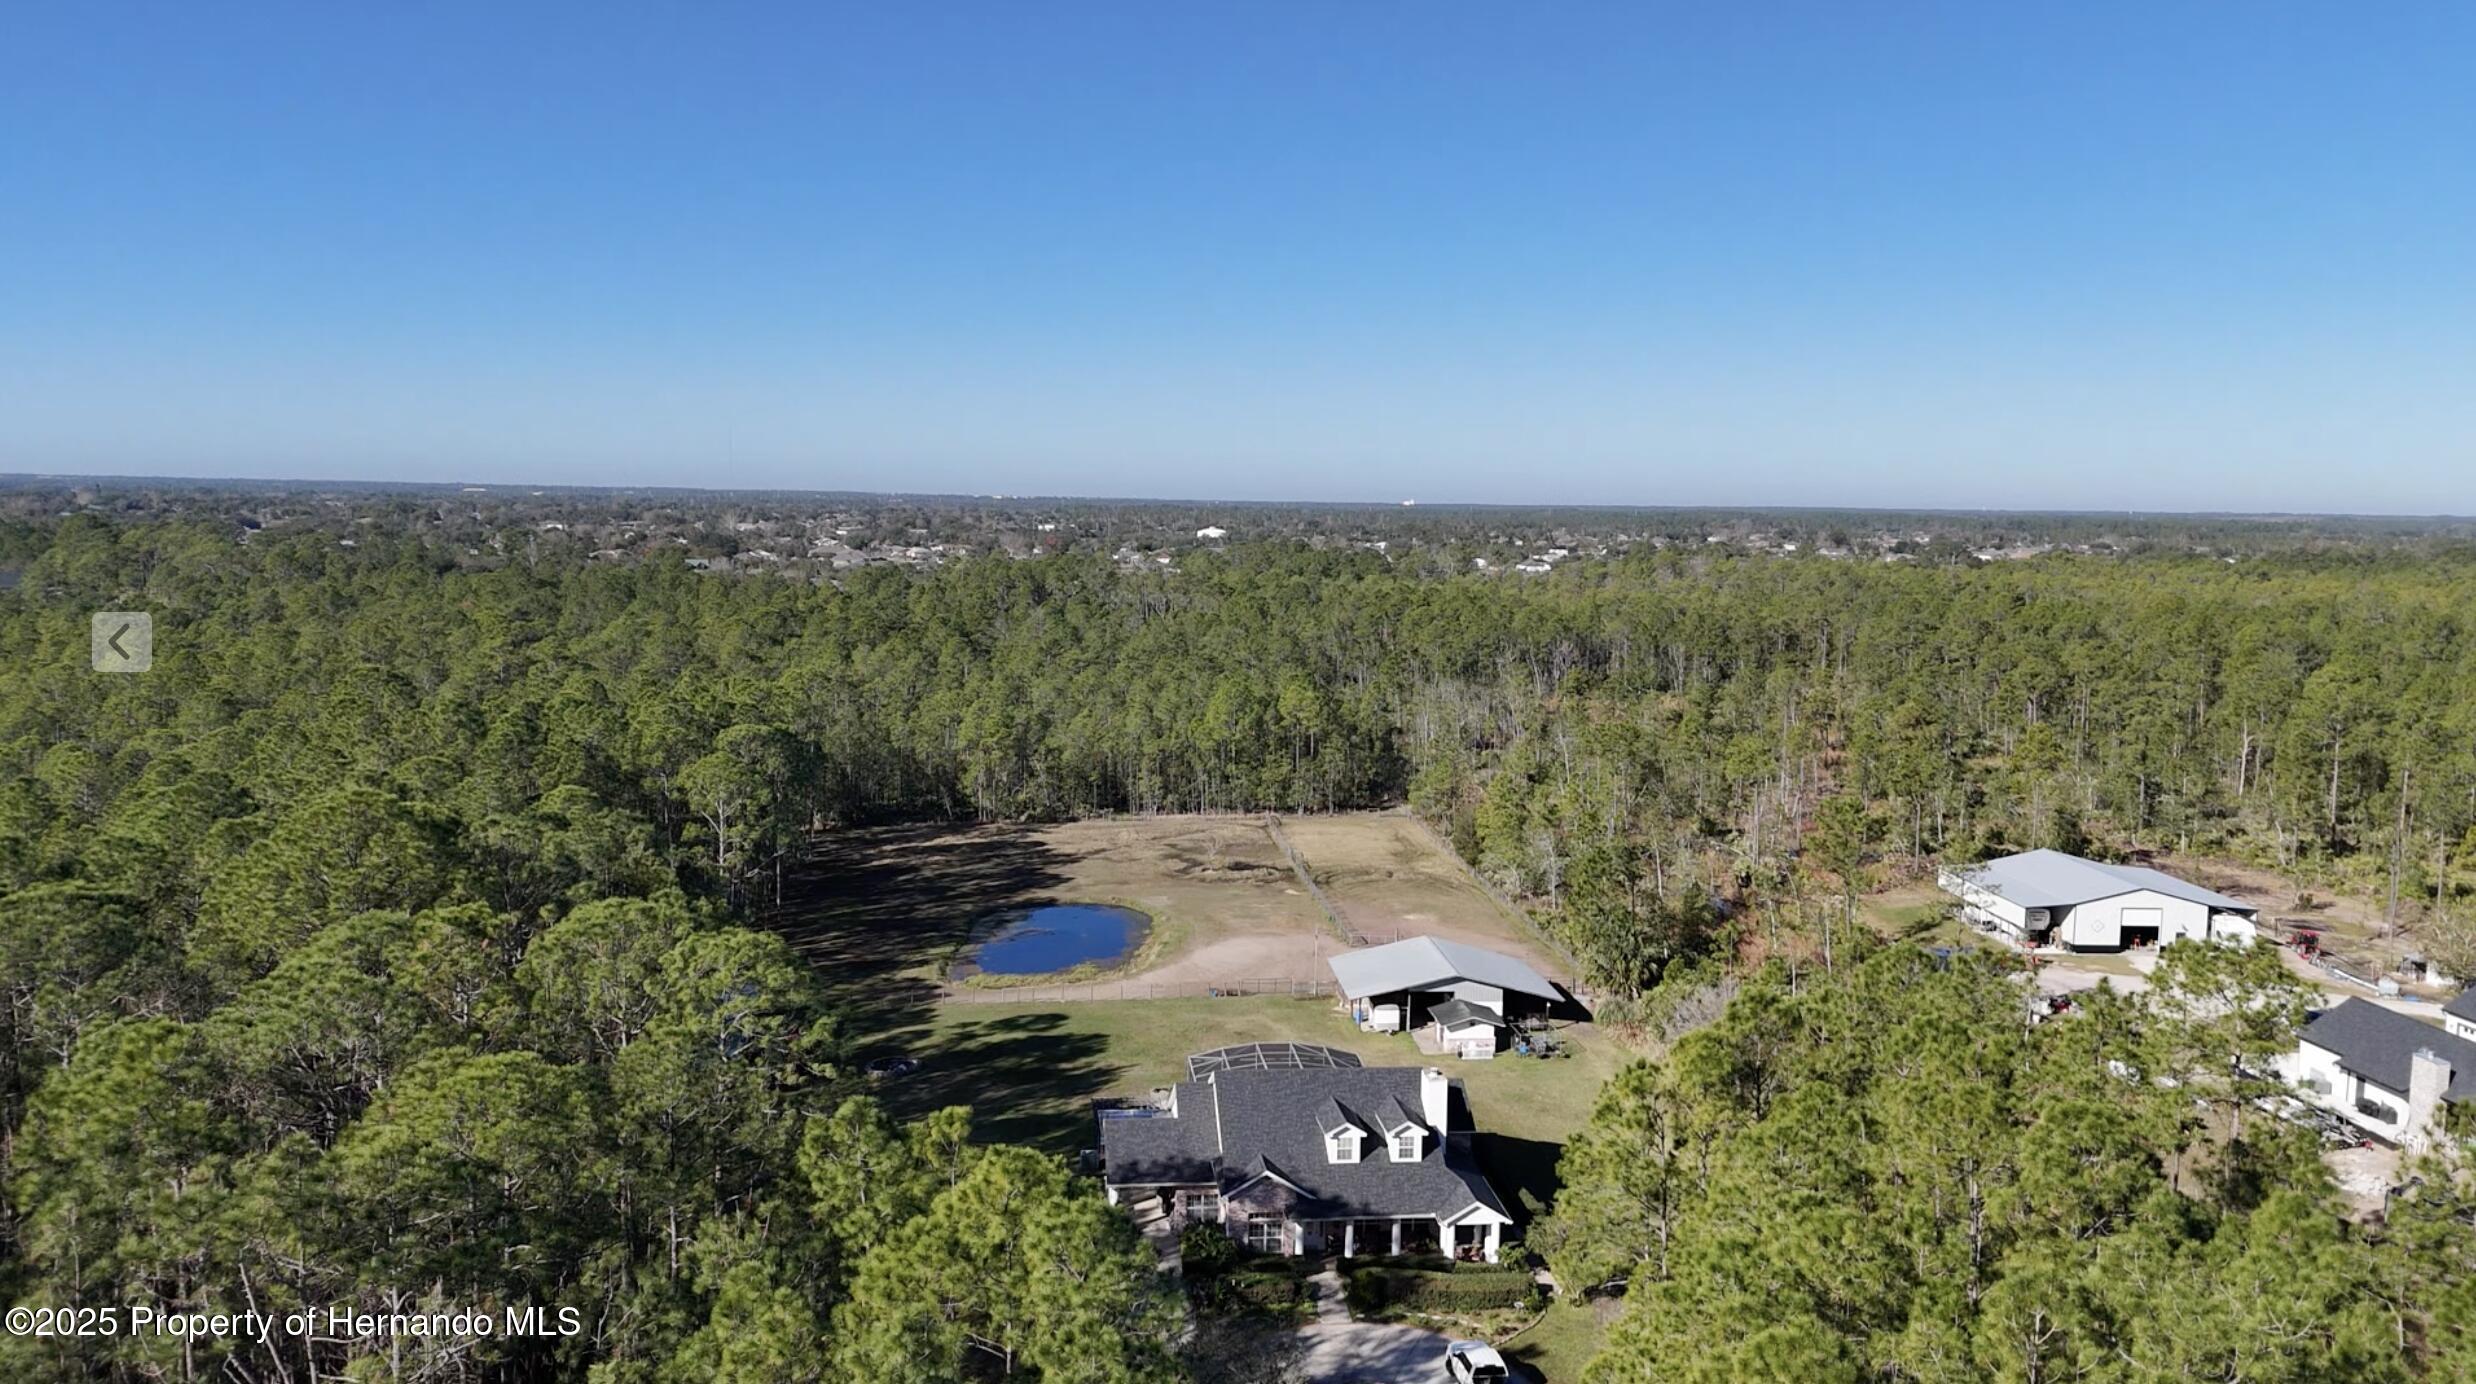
(122, 641)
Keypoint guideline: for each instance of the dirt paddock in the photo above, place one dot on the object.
(883, 911)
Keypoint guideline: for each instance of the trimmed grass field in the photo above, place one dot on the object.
(1564, 1340)
(1913, 909)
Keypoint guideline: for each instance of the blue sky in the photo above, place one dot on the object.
(2154, 256)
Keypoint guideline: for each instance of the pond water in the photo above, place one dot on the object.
(1054, 937)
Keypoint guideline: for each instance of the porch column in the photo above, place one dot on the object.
(1446, 1235)
(1349, 1239)
(1396, 1237)
(1492, 1230)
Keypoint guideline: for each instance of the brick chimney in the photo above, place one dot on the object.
(1435, 1097)
(2428, 1076)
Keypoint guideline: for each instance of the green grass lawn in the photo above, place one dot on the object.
(1030, 1071)
(1562, 1343)
(1899, 916)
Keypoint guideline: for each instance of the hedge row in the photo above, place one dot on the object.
(1378, 1288)
(1250, 1292)
(1429, 1263)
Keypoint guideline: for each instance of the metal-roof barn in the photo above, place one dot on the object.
(2045, 897)
(1431, 963)
(2048, 879)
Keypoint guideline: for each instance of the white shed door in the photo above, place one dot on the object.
(2152, 918)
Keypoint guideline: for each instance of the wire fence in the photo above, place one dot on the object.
(1298, 865)
(1077, 992)
(1511, 909)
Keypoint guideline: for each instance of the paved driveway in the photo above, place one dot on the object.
(1371, 1353)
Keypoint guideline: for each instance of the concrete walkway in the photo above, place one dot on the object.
(1332, 1301)
(1349, 1352)
(1341, 1351)
(1154, 1225)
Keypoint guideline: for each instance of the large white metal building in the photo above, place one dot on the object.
(2049, 898)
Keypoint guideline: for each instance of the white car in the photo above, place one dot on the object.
(1474, 1362)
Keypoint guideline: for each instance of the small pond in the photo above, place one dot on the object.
(1057, 937)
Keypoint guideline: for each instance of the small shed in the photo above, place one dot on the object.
(1465, 1029)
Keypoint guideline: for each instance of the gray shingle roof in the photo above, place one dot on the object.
(1399, 1116)
(2464, 1007)
(2376, 1043)
(1159, 1149)
(1259, 1124)
(1455, 1013)
(1334, 1119)
(1428, 963)
(1243, 1122)
(2051, 879)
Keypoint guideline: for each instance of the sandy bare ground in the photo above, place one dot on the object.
(1392, 880)
(883, 912)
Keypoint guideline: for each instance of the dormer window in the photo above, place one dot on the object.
(1341, 1145)
(1406, 1144)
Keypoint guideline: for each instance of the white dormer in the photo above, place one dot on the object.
(1405, 1139)
(1342, 1135)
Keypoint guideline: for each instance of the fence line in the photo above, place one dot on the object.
(1298, 866)
(1080, 992)
(1511, 909)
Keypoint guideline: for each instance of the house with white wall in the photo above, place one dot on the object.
(1339, 1160)
(2048, 898)
(2459, 1016)
(2387, 1073)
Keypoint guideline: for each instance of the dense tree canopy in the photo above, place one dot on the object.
(390, 943)
(1890, 1174)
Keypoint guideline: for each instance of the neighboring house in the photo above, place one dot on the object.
(2459, 1016)
(1339, 1160)
(2048, 898)
(1463, 995)
(1212, 533)
(2387, 1073)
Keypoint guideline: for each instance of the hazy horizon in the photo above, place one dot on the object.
(2099, 259)
(315, 482)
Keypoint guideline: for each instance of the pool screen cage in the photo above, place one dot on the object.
(1268, 1057)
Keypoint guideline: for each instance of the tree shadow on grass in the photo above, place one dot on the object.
(871, 910)
(1027, 1081)
(1523, 1171)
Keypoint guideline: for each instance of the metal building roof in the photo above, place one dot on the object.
(2051, 879)
(1431, 963)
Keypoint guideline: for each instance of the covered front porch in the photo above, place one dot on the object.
(1455, 1238)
